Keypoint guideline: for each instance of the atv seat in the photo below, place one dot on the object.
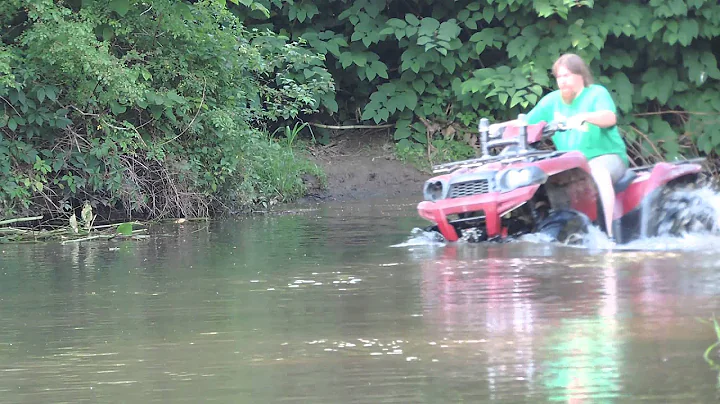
(624, 181)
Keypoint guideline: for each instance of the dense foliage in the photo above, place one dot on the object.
(160, 107)
(434, 68)
(150, 108)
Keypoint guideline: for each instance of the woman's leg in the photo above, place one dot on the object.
(606, 170)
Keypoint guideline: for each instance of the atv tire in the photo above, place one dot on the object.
(679, 211)
(565, 226)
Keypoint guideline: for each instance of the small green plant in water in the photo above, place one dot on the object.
(713, 348)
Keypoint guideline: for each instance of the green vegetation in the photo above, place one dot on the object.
(164, 108)
(434, 70)
(712, 349)
(146, 109)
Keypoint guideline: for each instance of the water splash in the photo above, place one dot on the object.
(596, 239)
(695, 209)
(422, 237)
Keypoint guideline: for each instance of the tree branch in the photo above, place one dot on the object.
(674, 113)
(343, 127)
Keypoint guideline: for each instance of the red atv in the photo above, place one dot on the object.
(514, 188)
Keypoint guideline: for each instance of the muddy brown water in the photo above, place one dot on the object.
(339, 304)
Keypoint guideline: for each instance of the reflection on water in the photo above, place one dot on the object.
(317, 307)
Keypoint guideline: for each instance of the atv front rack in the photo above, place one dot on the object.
(515, 143)
(505, 158)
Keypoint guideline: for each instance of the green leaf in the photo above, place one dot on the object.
(656, 26)
(622, 90)
(117, 108)
(331, 104)
(369, 112)
(402, 131)
(394, 104)
(373, 8)
(657, 87)
(397, 23)
(345, 14)
(424, 40)
(12, 124)
(463, 15)
(412, 20)
(108, 33)
(62, 122)
(382, 115)
(58, 164)
(687, 31)
(419, 86)
(125, 229)
(387, 31)
(428, 26)
(120, 6)
(359, 59)
(483, 38)
(301, 15)
(404, 144)
(522, 46)
(41, 94)
(346, 59)
(678, 7)
(380, 69)
(488, 14)
(50, 93)
(449, 30)
(449, 64)
(420, 137)
(710, 63)
(410, 99)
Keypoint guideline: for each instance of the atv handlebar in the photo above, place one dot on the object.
(518, 133)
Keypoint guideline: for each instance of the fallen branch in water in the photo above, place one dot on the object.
(66, 234)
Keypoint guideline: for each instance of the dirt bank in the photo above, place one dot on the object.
(361, 164)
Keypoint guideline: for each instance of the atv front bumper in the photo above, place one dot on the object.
(494, 205)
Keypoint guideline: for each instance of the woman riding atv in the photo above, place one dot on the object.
(589, 107)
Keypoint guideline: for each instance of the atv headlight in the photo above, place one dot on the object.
(434, 190)
(511, 179)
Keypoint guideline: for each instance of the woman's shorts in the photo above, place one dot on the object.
(611, 162)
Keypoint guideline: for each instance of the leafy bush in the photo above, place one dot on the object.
(424, 67)
(151, 108)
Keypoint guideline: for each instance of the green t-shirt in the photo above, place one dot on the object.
(591, 140)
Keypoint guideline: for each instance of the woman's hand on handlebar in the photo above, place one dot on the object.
(575, 122)
(571, 123)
